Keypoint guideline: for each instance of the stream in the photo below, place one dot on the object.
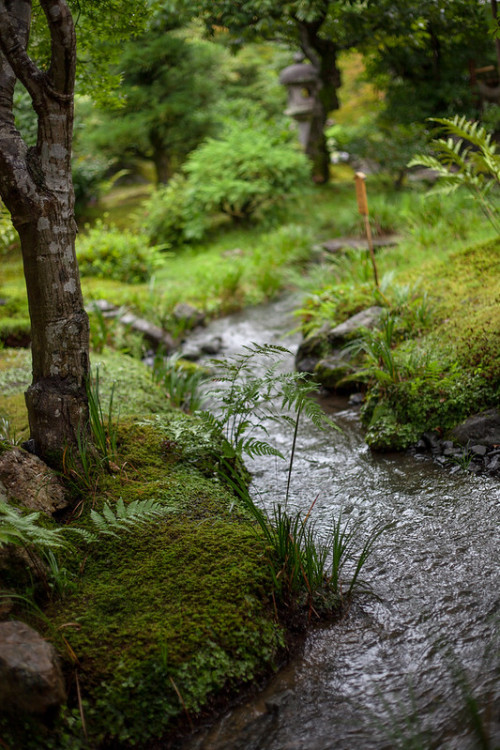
(411, 666)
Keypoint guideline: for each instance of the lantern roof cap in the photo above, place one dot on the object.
(298, 73)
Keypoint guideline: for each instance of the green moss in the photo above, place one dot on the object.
(180, 607)
(165, 617)
(454, 370)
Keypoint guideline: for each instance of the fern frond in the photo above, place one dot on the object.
(468, 130)
(253, 447)
(19, 529)
(127, 517)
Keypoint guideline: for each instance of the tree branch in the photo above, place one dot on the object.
(63, 45)
(14, 34)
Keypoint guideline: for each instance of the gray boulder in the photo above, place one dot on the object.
(188, 315)
(155, 335)
(321, 353)
(480, 429)
(31, 680)
(331, 371)
(341, 334)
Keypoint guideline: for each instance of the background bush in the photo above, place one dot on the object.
(244, 175)
(109, 252)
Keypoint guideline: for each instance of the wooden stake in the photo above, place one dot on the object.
(359, 179)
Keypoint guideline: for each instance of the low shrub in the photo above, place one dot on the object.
(109, 252)
(243, 175)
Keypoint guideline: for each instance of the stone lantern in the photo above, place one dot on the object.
(301, 81)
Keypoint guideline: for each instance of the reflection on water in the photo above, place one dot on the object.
(399, 667)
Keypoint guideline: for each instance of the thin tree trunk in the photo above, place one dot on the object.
(323, 55)
(494, 13)
(36, 187)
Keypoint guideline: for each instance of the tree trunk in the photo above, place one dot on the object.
(323, 55)
(36, 186)
(163, 167)
(161, 159)
(494, 13)
(56, 399)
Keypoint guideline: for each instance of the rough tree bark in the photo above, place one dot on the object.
(323, 56)
(36, 186)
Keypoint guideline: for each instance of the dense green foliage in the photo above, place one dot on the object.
(245, 174)
(108, 252)
(170, 81)
(466, 158)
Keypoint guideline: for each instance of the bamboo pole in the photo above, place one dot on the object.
(359, 180)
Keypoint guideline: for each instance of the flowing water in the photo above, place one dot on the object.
(410, 667)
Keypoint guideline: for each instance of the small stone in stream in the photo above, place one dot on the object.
(432, 442)
(212, 346)
(192, 353)
(355, 399)
(277, 702)
(421, 446)
(447, 447)
(478, 450)
(492, 463)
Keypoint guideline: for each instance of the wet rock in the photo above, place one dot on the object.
(328, 341)
(191, 352)
(448, 448)
(356, 399)
(188, 315)
(27, 480)
(492, 463)
(212, 346)
(342, 333)
(432, 442)
(420, 446)
(30, 676)
(478, 450)
(331, 371)
(311, 350)
(480, 429)
(155, 335)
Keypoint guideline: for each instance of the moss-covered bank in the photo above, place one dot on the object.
(155, 624)
(435, 357)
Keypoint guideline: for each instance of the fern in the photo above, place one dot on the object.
(126, 517)
(247, 402)
(466, 158)
(19, 529)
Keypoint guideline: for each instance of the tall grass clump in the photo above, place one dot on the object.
(96, 441)
(304, 569)
(181, 381)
